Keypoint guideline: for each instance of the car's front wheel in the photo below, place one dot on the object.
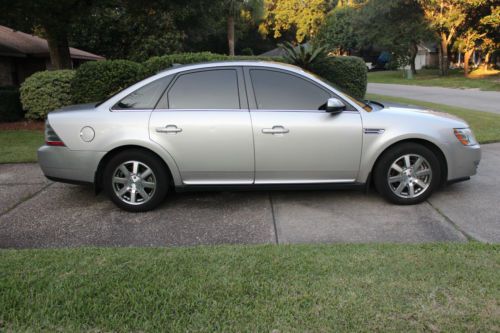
(407, 174)
(136, 180)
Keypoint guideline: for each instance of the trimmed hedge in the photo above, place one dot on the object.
(10, 104)
(45, 91)
(97, 80)
(348, 73)
(157, 64)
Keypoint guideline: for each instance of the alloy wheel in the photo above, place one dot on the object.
(134, 182)
(409, 176)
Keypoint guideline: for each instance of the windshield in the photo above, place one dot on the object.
(359, 102)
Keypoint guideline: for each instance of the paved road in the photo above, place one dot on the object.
(467, 98)
(37, 213)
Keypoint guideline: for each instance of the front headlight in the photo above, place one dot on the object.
(465, 136)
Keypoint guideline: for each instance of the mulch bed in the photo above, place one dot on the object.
(23, 125)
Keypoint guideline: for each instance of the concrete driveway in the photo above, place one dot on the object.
(474, 99)
(37, 213)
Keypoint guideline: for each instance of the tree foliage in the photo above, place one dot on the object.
(339, 33)
(303, 17)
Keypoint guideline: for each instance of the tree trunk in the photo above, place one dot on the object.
(444, 62)
(413, 56)
(487, 60)
(58, 49)
(467, 55)
(230, 34)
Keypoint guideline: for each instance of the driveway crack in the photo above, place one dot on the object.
(274, 218)
(29, 197)
(468, 236)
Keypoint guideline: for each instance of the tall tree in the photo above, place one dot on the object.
(55, 17)
(234, 9)
(446, 17)
(395, 25)
(480, 29)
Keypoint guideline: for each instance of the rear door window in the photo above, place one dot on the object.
(212, 89)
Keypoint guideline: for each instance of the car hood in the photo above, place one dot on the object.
(412, 111)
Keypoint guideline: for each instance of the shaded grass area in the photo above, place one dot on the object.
(486, 125)
(430, 77)
(20, 145)
(294, 288)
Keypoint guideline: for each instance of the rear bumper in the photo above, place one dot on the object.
(463, 161)
(63, 164)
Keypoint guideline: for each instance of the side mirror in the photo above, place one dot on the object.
(335, 105)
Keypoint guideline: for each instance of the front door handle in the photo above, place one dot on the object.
(278, 129)
(169, 129)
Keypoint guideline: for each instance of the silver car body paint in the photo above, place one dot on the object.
(221, 147)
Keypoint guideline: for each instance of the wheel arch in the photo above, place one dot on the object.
(426, 143)
(105, 159)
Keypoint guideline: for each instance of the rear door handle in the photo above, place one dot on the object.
(169, 129)
(278, 129)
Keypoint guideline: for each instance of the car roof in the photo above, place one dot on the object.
(176, 68)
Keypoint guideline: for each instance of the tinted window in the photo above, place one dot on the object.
(145, 97)
(280, 91)
(215, 89)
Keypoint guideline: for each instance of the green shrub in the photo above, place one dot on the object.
(97, 80)
(157, 64)
(347, 73)
(10, 104)
(45, 91)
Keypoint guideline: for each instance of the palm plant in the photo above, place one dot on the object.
(303, 55)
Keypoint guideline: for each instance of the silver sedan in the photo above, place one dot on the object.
(252, 125)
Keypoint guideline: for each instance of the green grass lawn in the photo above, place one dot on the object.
(430, 77)
(299, 288)
(19, 145)
(486, 126)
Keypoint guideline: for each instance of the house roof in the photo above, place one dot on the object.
(19, 44)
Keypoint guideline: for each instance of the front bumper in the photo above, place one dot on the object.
(463, 161)
(63, 164)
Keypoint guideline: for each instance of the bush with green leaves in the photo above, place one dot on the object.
(10, 104)
(156, 64)
(347, 73)
(45, 91)
(98, 80)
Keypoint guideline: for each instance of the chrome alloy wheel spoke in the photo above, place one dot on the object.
(134, 182)
(409, 176)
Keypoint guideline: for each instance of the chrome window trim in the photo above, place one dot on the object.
(200, 110)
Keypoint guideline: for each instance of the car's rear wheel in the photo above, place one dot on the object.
(136, 180)
(407, 174)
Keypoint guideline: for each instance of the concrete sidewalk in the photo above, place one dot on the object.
(37, 213)
(473, 99)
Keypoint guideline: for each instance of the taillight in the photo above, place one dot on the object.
(51, 138)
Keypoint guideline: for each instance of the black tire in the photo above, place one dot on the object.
(159, 176)
(383, 168)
